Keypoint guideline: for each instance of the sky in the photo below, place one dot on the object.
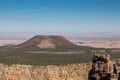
(59, 16)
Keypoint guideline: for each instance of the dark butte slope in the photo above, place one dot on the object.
(49, 42)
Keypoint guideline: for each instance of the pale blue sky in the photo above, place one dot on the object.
(59, 15)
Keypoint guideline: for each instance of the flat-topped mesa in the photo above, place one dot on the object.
(48, 42)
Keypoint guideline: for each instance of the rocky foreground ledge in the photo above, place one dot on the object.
(51, 72)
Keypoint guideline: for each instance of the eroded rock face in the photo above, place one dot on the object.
(27, 72)
(100, 67)
(46, 44)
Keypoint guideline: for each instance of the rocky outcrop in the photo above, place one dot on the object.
(51, 72)
(100, 67)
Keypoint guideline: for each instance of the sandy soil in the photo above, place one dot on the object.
(82, 42)
(10, 42)
(100, 44)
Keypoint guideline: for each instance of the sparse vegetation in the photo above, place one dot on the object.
(22, 57)
(19, 54)
(15, 56)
